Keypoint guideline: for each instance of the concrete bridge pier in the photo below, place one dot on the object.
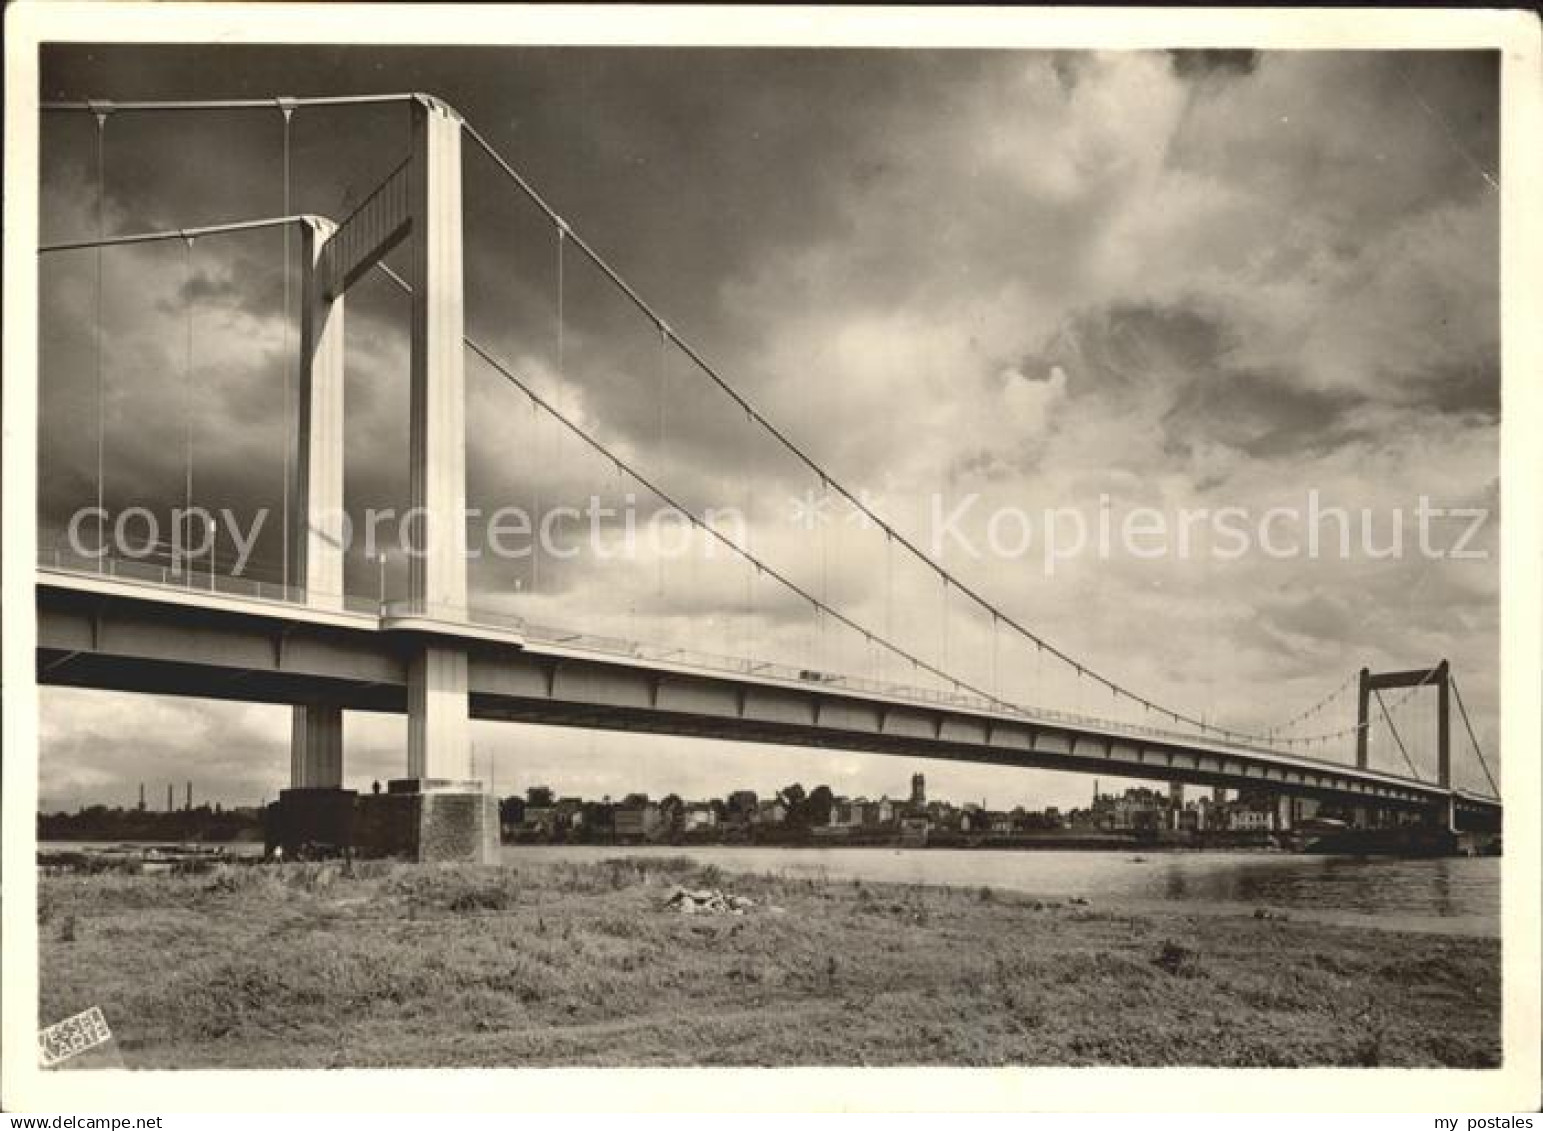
(437, 813)
(316, 747)
(315, 814)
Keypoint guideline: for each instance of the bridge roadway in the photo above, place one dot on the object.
(111, 633)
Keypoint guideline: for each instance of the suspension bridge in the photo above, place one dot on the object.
(165, 618)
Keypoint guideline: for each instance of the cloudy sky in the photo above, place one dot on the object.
(969, 282)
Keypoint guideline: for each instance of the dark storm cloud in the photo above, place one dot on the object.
(1262, 414)
(203, 287)
(1176, 361)
(1313, 615)
(1188, 355)
(1460, 389)
(1066, 70)
(1203, 63)
(1133, 344)
(1412, 131)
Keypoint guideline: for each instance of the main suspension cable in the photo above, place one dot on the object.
(697, 521)
(96, 105)
(814, 466)
(1473, 738)
(1302, 716)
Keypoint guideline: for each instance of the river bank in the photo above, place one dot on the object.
(566, 963)
(1458, 896)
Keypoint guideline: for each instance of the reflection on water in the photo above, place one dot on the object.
(1458, 896)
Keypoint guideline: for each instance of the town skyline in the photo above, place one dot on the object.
(790, 815)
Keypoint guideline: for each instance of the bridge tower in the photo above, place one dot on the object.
(436, 811)
(1439, 677)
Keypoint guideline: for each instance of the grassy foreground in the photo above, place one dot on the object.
(563, 963)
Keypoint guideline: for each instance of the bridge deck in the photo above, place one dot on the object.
(112, 632)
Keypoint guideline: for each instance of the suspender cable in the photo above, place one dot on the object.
(101, 406)
(889, 595)
(943, 618)
(1039, 672)
(290, 364)
(187, 402)
(538, 433)
(824, 529)
(996, 683)
(750, 571)
(664, 381)
(746, 644)
(562, 321)
(535, 497)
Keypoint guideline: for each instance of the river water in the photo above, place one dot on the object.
(1459, 895)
